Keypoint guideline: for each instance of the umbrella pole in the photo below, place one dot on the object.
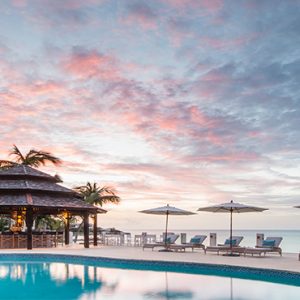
(231, 210)
(166, 232)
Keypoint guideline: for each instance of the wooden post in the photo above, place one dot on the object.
(95, 231)
(67, 230)
(29, 223)
(86, 230)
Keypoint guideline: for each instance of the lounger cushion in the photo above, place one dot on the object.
(168, 240)
(234, 242)
(195, 240)
(171, 238)
(277, 240)
(268, 243)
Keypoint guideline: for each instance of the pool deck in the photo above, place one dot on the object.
(288, 261)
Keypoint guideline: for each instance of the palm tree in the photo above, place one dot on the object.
(49, 222)
(33, 158)
(93, 194)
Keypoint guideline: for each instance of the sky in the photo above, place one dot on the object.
(191, 103)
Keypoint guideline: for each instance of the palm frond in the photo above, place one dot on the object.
(108, 199)
(34, 157)
(5, 164)
(18, 154)
(107, 190)
(93, 194)
(38, 158)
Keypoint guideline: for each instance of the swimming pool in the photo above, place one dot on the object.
(42, 276)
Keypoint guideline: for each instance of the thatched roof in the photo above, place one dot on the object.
(21, 171)
(32, 185)
(44, 202)
(23, 186)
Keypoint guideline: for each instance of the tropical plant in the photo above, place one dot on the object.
(34, 158)
(95, 195)
(4, 223)
(49, 222)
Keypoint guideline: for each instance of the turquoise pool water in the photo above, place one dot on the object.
(62, 277)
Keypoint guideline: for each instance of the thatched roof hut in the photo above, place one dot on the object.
(25, 189)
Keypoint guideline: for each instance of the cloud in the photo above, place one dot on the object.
(19, 3)
(68, 14)
(91, 64)
(142, 14)
(181, 100)
(211, 6)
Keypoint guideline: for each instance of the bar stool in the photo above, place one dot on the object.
(21, 240)
(7, 240)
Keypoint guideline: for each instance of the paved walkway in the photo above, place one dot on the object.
(288, 262)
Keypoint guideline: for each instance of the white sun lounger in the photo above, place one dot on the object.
(195, 243)
(171, 238)
(269, 245)
(226, 246)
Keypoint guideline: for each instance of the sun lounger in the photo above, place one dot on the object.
(171, 238)
(236, 240)
(195, 243)
(269, 245)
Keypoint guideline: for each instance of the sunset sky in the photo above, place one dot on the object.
(190, 103)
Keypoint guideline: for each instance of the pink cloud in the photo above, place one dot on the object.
(73, 4)
(179, 31)
(229, 157)
(166, 123)
(216, 76)
(141, 14)
(19, 3)
(66, 4)
(211, 6)
(91, 64)
(229, 43)
(37, 88)
(9, 72)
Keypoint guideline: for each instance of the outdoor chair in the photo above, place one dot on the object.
(196, 242)
(269, 245)
(171, 239)
(236, 240)
(6, 240)
(59, 238)
(22, 240)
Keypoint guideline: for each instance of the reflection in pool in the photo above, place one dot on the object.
(51, 280)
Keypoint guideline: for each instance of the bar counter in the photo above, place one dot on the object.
(39, 239)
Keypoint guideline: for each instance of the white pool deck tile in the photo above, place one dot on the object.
(288, 261)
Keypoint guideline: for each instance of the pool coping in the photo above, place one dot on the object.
(223, 270)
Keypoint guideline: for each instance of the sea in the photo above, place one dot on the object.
(289, 244)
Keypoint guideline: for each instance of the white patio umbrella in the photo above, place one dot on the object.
(167, 210)
(232, 207)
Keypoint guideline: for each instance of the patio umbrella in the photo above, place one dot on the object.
(167, 210)
(231, 207)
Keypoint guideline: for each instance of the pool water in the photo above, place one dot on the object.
(64, 280)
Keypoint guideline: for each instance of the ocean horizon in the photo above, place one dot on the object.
(289, 244)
